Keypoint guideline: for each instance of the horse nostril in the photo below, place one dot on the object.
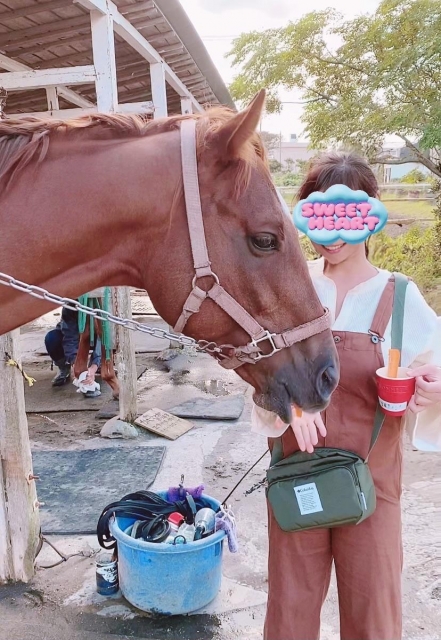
(327, 381)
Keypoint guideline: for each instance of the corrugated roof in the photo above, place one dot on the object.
(57, 33)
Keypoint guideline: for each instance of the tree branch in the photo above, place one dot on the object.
(426, 162)
(393, 160)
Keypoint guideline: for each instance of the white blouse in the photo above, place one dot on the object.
(421, 345)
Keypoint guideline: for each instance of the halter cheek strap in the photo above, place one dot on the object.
(229, 356)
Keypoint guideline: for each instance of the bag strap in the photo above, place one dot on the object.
(400, 288)
(401, 283)
(277, 451)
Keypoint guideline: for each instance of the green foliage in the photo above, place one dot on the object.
(362, 79)
(437, 227)
(270, 140)
(412, 253)
(414, 177)
(275, 166)
(308, 250)
(303, 167)
(287, 180)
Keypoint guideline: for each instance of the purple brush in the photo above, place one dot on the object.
(178, 493)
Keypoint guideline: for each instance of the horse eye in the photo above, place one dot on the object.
(265, 241)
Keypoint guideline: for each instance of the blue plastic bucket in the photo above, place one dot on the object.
(168, 579)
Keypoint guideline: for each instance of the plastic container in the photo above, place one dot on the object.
(169, 579)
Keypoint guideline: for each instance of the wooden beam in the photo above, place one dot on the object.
(70, 114)
(19, 517)
(24, 80)
(67, 94)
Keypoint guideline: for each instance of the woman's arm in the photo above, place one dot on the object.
(423, 327)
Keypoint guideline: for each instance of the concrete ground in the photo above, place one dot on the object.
(62, 602)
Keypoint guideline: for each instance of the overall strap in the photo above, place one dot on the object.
(277, 452)
(401, 283)
(384, 310)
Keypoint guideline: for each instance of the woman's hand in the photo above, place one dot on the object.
(305, 429)
(427, 387)
(91, 373)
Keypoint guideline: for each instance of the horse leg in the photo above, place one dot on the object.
(107, 370)
(108, 373)
(82, 359)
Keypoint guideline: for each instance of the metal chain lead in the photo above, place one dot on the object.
(101, 314)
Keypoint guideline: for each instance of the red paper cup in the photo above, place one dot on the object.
(394, 394)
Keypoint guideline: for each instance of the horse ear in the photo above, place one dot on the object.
(237, 131)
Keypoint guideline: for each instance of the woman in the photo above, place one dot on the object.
(367, 557)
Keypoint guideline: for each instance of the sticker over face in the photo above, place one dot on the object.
(339, 213)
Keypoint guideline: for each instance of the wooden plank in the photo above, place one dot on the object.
(67, 94)
(163, 423)
(42, 31)
(19, 517)
(40, 7)
(22, 80)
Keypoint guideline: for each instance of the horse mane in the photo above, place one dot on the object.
(27, 139)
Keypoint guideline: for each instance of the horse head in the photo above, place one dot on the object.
(255, 253)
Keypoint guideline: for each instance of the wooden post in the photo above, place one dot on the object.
(125, 355)
(19, 517)
(186, 106)
(52, 99)
(103, 43)
(159, 91)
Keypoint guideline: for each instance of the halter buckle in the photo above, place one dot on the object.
(256, 341)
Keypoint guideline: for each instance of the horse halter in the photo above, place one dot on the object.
(229, 356)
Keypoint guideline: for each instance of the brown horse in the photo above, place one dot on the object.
(99, 201)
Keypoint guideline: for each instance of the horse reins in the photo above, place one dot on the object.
(229, 356)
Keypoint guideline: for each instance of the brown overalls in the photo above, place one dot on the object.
(368, 556)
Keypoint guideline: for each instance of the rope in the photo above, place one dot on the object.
(13, 363)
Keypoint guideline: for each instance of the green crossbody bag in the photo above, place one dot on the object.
(330, 487)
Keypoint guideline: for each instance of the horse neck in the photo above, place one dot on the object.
(94, 212)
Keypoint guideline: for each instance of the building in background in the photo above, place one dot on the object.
(289, 152)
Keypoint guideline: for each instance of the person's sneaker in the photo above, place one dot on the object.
(93, 394)
(62, 377)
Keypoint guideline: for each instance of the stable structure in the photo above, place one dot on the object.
(61, 59)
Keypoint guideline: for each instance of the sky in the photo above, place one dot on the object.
(219, 21)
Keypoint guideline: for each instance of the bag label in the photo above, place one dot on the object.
(308, 498)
